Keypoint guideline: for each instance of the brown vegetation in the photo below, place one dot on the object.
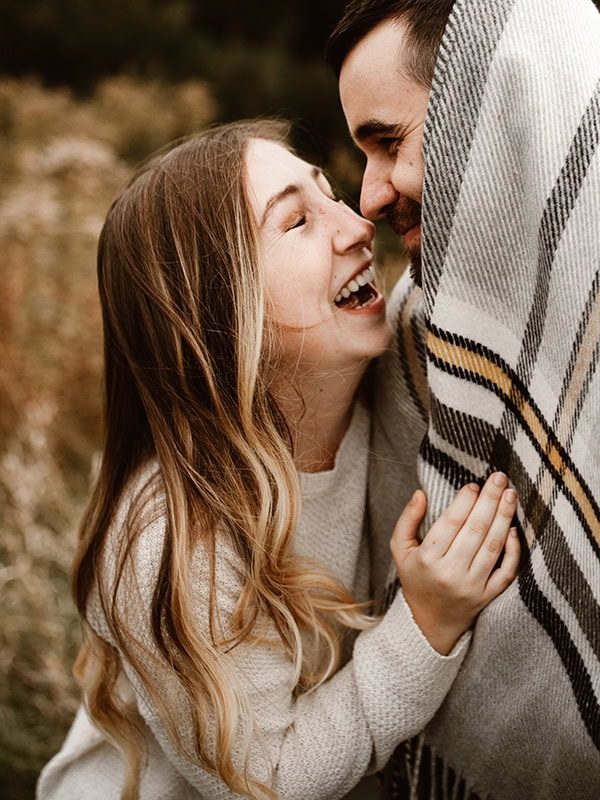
(61, 162)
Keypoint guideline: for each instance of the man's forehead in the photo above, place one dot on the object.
(383, 46)
(372, 78)
(378, 97)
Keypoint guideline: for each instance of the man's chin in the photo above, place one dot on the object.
(405, 220)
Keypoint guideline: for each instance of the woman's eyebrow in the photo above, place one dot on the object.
(291, 189)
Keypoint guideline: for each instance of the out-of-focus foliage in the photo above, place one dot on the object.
(61, 162)
(259, 57)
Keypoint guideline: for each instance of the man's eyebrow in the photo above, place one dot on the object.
(292, 189)
(374, 127)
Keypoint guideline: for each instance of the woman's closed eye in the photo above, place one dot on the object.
(300, 217)
(297, 223)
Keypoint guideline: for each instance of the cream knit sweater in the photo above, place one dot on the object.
(313, 747)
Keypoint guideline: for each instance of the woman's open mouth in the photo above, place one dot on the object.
(359, 292)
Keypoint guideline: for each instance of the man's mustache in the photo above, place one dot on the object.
(404, 215)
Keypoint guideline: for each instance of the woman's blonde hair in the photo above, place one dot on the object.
(189, 359)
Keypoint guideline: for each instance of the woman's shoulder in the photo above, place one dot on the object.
(143, 517)
(138, 527)
(143, 496)
(132, 557)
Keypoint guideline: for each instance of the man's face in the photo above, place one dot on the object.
(385, 111)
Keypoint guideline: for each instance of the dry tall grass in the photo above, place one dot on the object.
(61, 162)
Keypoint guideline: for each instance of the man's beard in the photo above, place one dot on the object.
(402, 217)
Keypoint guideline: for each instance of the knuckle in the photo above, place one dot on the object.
(505, 513)
(445, 585)
(494, 544)
(461, 594)
(453, 519)
(447, 582)
(427, 559)
(477, 527)
(491, 493)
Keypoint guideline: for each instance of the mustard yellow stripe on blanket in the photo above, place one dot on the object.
(465, 360)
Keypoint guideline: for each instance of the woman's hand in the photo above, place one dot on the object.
(450, 576)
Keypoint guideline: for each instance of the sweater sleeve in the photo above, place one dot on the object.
(321, 743)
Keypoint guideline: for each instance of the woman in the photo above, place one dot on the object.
(223, 567)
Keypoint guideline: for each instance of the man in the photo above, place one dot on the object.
(386, 103)
(480, 123)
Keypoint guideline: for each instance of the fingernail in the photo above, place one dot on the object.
(513, 532)
(499, 479)
(474, 487)
(510, 496)
(414, 498)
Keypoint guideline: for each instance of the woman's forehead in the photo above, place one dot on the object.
(270, 169)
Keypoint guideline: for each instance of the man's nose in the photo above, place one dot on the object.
(377, 192)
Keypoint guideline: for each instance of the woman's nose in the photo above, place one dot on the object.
(377, 192)
(352, 230)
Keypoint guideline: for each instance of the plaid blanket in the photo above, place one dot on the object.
(499, 370)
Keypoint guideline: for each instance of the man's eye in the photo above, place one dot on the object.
(391, 144)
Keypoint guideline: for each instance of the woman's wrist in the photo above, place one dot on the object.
(441, 635)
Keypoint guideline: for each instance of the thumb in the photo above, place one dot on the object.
(404, 539)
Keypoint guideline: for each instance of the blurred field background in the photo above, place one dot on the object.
(88, 89)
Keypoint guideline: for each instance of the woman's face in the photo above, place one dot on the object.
(315, 254)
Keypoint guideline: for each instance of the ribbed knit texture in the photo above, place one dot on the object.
(500, 371)
(316, 747)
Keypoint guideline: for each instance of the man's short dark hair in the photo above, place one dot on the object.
(425, 21)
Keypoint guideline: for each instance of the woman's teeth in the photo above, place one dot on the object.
(353, 285)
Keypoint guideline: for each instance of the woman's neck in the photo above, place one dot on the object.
(318, 408)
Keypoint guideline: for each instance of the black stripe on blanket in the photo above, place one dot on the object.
(587, 340)
(410, 351)
(472, 435)
(546, 615)
(581, 368)
(556, 214)
(414, 761)
(479, 439)
(450, 124)
(455, 473)
(560, 563)
(554, 220)
(471, 361)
